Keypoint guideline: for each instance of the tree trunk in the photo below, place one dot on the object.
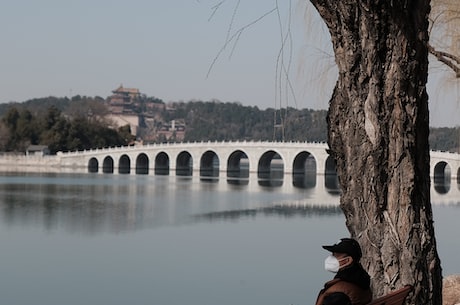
(378, 135)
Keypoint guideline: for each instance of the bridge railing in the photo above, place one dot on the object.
(188, 144)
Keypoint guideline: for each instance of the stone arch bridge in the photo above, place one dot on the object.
(217, 159)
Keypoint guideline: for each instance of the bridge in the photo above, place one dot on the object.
(216, 159)
(279, 164)
(208, 159)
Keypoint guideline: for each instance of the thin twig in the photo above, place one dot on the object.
(235, 36)
(232, 20)
(215, 8)
(282, 69)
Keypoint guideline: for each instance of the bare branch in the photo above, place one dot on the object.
(215, 8)
(235, 37)
(281, 67)
(233, 20)
(449, 60)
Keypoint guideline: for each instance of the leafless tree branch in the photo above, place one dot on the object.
(448, 59)
(235, 37)
(215, 8)
(281, 67)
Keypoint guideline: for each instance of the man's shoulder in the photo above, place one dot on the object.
(343, 284)
(340, 284)
(357, 294)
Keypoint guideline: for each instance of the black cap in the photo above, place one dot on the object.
(348, 246)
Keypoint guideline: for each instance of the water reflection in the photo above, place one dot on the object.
(216, 243)
(120, 203)
(441, 184)
(286, 211)
(332, 184)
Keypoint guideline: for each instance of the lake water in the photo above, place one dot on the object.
(126, 239)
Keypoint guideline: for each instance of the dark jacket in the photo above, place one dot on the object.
(353, 281)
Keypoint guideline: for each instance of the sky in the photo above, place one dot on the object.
(232, 51)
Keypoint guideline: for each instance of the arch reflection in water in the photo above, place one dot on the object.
(93, 165)
(115, 203)
(209, 167)
(184, 164)
(142, 164)
(161, 164)
(94, 203)
(442, 177)
(304, 171)
(238, 168)
(331, 181)
(124, 165)
(270, 170)
(107, 166)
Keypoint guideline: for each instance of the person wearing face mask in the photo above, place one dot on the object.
(350, 277)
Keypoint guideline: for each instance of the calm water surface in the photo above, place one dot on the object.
(116, 239)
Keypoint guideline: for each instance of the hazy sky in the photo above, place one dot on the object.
(165, 48)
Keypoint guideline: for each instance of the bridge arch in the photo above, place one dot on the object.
(331, 181)
(142, 164)
(107, 165)
(124, 165)
(458, 177)
(238, 168)
(442, 177)
(304, 170)
(162, 164)
(270, 169)
(184, 164)
(209, 166)
(442, 171)
(93, 165)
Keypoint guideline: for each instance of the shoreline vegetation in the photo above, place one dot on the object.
(81, 123)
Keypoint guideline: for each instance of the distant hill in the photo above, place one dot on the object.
(445, 139)
(218, 121)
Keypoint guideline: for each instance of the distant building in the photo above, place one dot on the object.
(127, 93)
(127, 106)
(121, 105)
(123, 100)
(37, 150)
(174, 130)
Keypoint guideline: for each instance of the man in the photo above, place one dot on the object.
(350, 279)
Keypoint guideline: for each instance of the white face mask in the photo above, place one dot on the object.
(332, 264)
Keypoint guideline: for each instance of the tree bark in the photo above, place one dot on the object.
(378, 125)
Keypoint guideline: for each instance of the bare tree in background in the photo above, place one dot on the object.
(445, 33)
